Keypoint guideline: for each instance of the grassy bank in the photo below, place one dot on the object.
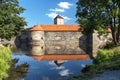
(5, 58)
(107, 59)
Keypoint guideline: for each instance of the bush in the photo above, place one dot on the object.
(109, 45)
(5, 58)
(101, 57)
(107, 59)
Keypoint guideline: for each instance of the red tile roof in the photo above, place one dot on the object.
(36, 28)
(55, 28)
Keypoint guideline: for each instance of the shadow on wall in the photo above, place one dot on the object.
(22, 42)
(82, 43)
(86, 44)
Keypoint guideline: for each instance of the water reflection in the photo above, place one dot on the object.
(59, 62)
(49, 64)
(49, 49)
(17, 72)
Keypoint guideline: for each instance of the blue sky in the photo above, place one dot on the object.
(43, 11)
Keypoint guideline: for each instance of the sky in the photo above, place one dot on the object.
(44, 11)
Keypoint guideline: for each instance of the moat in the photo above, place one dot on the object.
(50, 66)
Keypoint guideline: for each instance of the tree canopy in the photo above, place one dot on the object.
(11, 23)
(99, 15)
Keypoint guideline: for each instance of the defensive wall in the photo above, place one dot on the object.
(62, 39)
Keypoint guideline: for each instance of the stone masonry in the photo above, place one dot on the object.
(61, 39)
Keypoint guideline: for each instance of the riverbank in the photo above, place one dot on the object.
(108, 75)
(106, 66)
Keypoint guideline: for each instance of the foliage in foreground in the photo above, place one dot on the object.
(99, 15)
(107, 59)
(8, 68)
(11, 23)
(5, 58)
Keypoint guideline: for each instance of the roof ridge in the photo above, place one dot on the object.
(60, 24)
(52, 27)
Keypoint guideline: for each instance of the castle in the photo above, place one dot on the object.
(59, 38)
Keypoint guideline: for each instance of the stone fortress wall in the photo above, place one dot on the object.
(68, 42)
(61, 39)
(63, 42)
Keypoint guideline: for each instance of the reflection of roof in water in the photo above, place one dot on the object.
(59, 62)
(62, 57)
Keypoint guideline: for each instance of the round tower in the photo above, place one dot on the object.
(37, 35)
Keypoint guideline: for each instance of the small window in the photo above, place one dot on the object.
(42, 38)
(41, 47)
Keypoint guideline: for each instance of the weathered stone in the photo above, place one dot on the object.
(73, 42)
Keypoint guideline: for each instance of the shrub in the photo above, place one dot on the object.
(5, 58)
(101, 57)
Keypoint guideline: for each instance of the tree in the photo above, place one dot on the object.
(11, 23)
(99, 15)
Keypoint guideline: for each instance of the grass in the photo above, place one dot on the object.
(5, 58)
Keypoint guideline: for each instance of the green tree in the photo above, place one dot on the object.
(99, 15)
(11, 23)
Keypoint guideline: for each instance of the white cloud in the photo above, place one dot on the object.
(61, 67)
(51, 63)
(66, 18)
(65, 5)
(52, 15)
(57, 68)
(65, 72)
(83, 65)
(57, 10)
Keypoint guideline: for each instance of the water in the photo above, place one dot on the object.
(46, 68)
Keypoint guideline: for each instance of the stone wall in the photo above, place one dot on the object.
(37, 36)
(99, 41)
(63, 42)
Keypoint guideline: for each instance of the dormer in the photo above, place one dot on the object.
(59, 20)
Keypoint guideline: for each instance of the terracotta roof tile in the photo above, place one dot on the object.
(36, 28)
(56, 28)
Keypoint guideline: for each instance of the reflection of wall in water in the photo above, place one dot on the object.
(37, 50)
(58, 49)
